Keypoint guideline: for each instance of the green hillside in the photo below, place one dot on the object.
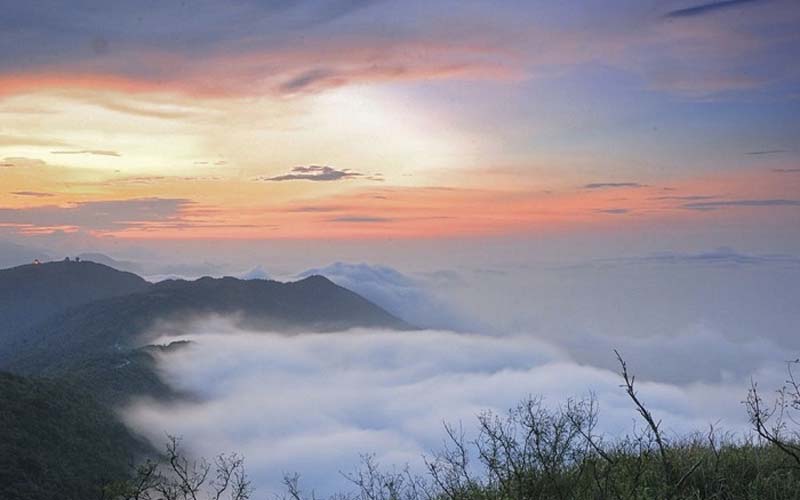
(32, 293)
(58, 442)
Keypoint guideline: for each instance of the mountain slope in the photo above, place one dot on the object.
(57, 442)
(85, 323)
(29, 294)
(114, 326)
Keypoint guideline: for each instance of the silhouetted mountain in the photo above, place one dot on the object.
(58, 436)
(57, 442)
(31, 293)
(114, 326)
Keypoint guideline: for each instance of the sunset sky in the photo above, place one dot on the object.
(345, 120)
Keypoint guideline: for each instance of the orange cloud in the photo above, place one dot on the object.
(288, 71)
(21, 83)
(414, 212)
(177, 208)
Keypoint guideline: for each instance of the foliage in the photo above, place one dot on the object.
(57, 442)
(774, 423)
(175, 477)
(534, 452)
(116, 325)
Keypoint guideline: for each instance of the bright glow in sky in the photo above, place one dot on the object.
(347, 120)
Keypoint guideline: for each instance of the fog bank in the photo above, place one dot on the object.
(312, 403)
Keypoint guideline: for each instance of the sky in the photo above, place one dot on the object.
(150, 123)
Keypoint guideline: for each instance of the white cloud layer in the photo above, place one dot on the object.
(312, 403)
(408, 298)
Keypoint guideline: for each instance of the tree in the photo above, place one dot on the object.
(773, 421)
(175, 477)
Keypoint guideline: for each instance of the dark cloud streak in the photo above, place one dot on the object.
(604, 185)
(21, 162)
(767, 152)
(314, 173)
(715, 205)
(305, 80)
(35, 194)
(614, 211)
(361, 219)
(110, 215)
(314, 209)
(95, 152)
(685, 198)
(707, 8)
(15, 140)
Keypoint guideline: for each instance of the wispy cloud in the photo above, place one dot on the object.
(315, 209)
(786, 170)
(360, 219)
(111, 215)
(715, 205)
(345, 43)
(314, 173)
(408, 298)
(604, 185)
(142, 179)
(691, 197)
(35, 194)
(18, 140)
(613, 211)
(96, 152)
(723, 255)
(707, 8)
(767, 152)
(21, 161)
(306, 79)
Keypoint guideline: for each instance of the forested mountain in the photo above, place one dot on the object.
(113, 326)
(57, 442)
(31, 293)
(71, 336)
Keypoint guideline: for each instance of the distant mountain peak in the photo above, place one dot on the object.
(32, 292)
(126, 307)
(316, 279)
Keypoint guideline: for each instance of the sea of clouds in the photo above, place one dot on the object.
(696, 329)
(314, 403)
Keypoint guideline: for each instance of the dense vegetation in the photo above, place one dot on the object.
(83, 321)
(57, 442)
(31, 293)
(115, 325)
(74, 331)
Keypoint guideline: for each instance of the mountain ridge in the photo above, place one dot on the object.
(116, 324)
(73, 344)
(57, 441)
(31, 293)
